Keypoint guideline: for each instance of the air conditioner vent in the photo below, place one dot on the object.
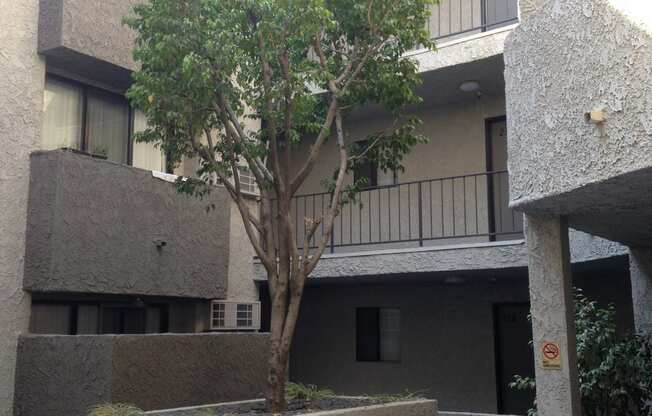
(232, 315)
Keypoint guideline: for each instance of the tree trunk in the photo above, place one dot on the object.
(275, 395)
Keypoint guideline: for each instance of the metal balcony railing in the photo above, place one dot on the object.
(466, 208)
(452, 19)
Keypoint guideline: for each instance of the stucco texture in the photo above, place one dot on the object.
(88, 38)
(64, 375)
(94, 29)
(447, 332)
(552, 315)
(600, 58)
(22, 74)
(451, 258)
(95, 226)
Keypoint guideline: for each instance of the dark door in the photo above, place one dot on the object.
(513, 333)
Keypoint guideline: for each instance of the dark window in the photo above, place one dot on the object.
(366, 174)
(378, 334)
(76, 318)
(370, 176)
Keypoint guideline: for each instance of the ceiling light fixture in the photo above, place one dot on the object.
(470, 86)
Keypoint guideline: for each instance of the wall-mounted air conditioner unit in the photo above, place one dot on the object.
(235, 316)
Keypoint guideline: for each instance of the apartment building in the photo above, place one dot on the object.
(425, 287)
(110, 281)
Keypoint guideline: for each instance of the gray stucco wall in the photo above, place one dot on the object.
(64, 375)
(600, 57)
(93, 226)
(22, 74)
(447, 333)
(88, 38)
(450, 259)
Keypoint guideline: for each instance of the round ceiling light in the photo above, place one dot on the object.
(470, 86)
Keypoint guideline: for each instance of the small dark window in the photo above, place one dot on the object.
(378, 334)
(366, 174)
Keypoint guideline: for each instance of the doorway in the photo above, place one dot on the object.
(514, 356)
(504, 223)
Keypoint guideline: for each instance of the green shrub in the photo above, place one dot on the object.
(615, 373)
(117, 409)
(307, 392)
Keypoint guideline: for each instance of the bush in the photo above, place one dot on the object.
(117, 409)
(615, 373)
(307, 392)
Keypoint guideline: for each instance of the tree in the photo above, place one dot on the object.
(298, 67)
(615, 372)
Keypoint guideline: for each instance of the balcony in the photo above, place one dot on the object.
(461, 209)
(95, 226)
(454, 19)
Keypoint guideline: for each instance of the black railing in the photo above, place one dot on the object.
(468, 208)
(458, 18)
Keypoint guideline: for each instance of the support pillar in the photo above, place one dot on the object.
(640, 272)
(553, 321)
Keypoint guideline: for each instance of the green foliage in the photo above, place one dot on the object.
(117, 409)
(615, 373)
(307, 392)
(199, 55)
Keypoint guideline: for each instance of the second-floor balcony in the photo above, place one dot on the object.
(455, 19)
(460, 209)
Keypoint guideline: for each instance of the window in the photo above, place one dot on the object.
(247, 180)
(95, 121)
(107, 126)
(146, 155)
(62, 115)
(378, 334)
(76, 318)
(370, 175)
(219, 315)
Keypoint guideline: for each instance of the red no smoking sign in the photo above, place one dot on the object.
(550, 355)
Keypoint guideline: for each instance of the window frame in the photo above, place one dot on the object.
(378, 331)
(84, 137)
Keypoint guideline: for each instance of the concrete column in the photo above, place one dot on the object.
(22, 74)
(553, 324)
(640, 272)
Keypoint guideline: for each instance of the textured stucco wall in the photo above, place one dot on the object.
(447, 333)
(241, 285)
(64, 375)
(447, 345)
(481, 256)
(93, 29)
(467, 49)
(93, 224)
(552, 315)
(598, 57)
(22, 74)
(86, 40)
